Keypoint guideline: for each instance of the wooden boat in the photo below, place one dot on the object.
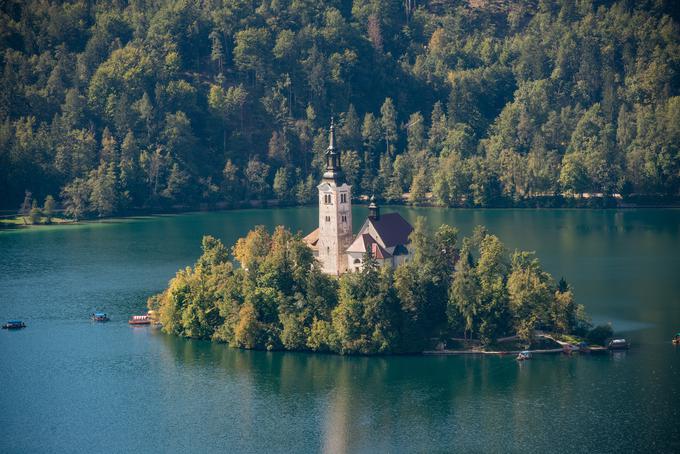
(14, 324)
(140, 320)
(99, 317)
(523, 356)
(568, 349)
(618, 344)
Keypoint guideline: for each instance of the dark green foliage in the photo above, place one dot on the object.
(600, 334)
(495, 294)
(279, 298)
(479, 105)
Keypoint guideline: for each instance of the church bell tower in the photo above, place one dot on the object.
(335, 213)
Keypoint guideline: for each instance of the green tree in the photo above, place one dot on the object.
(251, 51)
(217, 51)
(130, 172)
(25, 209)
(370, 131)
(417, 192)
(366, 318)
(48, 209)
(492, 270)
(226, 103)
(256, 177)
(351, 166)
(530, 292)
(282, 185)
(415, 133)
(178, 183)
(437, 132)
(464, 296)
(231, 186)
(104, 196)
(388, 123)
(35, 214)
(75, 198)
(573, 176)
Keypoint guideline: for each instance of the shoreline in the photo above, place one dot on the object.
(591, 349)
(11, 222)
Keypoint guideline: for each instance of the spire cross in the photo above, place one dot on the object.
(331, 138)
(333, 170)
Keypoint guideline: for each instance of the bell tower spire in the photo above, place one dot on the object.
(335, 212)
(333, 170)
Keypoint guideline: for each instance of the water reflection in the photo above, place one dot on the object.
(353, 403)
(163, 393)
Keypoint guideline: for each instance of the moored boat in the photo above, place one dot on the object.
(14, 324)
(676, 339)
(524, 355)
(618, 344)
(140, 320)
(99, 317)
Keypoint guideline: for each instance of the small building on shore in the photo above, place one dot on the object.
(385, 237)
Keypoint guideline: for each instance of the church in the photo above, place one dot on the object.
(385, 237)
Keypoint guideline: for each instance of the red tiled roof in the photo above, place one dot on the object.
(312, 239)
(378, 252)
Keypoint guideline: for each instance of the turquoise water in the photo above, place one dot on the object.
(68, 385)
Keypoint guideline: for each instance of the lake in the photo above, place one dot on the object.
(69, 385)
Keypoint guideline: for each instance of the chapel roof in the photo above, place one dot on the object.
(392, 229)
(364, 243)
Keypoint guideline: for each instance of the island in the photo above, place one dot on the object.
(392, 288)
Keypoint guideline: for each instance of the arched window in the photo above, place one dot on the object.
(357, 261)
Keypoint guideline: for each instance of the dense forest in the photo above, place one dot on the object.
(278, 298)
(110, 105)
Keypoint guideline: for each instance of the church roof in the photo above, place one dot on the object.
(364, 243)
(392, 229)
(312, 239)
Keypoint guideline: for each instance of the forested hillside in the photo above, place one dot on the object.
(111, 104)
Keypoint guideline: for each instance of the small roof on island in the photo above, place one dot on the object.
(312, 239)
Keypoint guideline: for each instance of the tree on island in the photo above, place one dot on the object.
(278, 298)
